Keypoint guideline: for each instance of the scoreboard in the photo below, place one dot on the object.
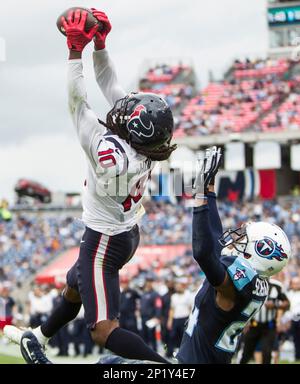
(284, 16)
(283, 20)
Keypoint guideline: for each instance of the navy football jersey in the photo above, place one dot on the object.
(212, 334)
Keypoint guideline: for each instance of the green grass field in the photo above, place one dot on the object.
(4, 359)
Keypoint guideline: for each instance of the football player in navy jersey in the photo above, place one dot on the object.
(237, 264)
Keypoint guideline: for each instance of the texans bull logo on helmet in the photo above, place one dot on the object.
(269, 249)
(139, 122)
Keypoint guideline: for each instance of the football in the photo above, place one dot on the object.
(90, 21)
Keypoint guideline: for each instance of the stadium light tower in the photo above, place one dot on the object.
(284, 27)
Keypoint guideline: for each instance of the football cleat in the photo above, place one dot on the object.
(14, 334)
(32, 351)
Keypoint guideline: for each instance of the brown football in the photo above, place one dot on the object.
(90, 21)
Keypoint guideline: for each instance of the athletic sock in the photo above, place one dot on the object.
(43, 340)
(61, 315)
(131, 346)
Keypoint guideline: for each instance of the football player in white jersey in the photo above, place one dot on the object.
(121, 154)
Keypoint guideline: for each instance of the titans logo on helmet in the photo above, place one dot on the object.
(269, 249)
(240, 274)
(139, 122)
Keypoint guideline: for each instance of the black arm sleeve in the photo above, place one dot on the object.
(214, 214)
(216, 224)
(204, 251)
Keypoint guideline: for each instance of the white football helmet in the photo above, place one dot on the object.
(265, 246)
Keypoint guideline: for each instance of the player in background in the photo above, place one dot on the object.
(263, 328)
(120, 154)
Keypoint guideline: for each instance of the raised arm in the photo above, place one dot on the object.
(205, 236)
(204, 250)
(104, 69)
(106, 77)
(208, 256)
(84, 119)
(203, 188)
(217, 227)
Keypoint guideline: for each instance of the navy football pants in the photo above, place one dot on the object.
(95, 275)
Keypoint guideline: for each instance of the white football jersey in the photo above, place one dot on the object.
(117, 174)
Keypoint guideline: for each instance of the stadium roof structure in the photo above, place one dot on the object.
(195, 142)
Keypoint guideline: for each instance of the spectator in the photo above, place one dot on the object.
(181, 305)
(40, 302)
(263, 327)
(128, 306)
(61, 339)
(7, 306)
(150, 313)
(166, 303)
(5, 214)
(80, 336)
(294, 296)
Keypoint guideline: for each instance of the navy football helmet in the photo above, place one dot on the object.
(146, 122)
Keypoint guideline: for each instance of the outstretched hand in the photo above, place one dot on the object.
(77, 37)
(100, 36)
(208, 168)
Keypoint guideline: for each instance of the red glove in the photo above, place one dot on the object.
(77, 37)
(100, 36)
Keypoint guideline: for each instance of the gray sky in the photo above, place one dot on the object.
(37, 139)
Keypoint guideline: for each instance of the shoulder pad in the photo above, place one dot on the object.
(241, 273)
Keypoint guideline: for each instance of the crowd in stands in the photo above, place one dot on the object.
(285, 117)
(260, 67)
(231, 106)
(255, 95)
(29, 241)
(164, 73)
(173, 82)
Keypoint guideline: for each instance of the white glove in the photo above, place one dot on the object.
(207, 170)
